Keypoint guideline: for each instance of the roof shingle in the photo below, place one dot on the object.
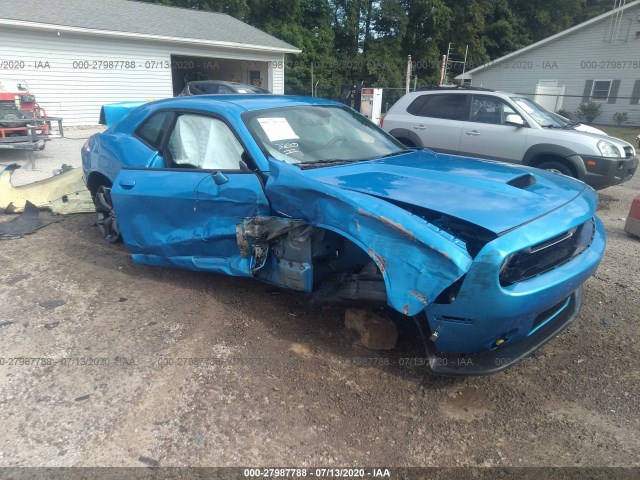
(134, 17)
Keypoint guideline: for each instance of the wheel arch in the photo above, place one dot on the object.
(95, 180)
(538, 154)
(429, 263)
(403, 133)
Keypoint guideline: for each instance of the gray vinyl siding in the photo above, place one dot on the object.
(565, 60)
(276, 76)
(77, 94)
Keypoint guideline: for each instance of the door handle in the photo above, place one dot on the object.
(127, 184)
(473, 133)
(419, 127)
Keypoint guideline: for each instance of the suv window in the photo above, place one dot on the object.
(203, 142)
(447, 106)
(152, 129)
(487, 109)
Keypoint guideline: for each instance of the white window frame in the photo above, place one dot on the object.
(593, 87)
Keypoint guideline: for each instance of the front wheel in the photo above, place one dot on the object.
(105, 215)
(557, 167)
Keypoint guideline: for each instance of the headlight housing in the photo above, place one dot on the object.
(608, 149)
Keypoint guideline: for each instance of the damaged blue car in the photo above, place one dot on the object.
(488, 259)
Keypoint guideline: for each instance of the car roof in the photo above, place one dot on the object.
(217, 82)
(460, 91)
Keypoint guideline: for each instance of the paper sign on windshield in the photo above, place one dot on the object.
(277, 129)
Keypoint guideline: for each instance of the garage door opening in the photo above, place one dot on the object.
(186, 69)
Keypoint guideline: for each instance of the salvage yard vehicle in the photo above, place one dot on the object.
(24, 125)
(218, 87)
(509, 127)
(487, 258)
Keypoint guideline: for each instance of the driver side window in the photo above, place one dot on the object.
(485, 109)
(202, 142)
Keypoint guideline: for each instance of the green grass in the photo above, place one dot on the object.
(627, 134)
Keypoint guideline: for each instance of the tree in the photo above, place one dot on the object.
(367, 41)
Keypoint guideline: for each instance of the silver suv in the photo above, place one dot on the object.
(511, 128)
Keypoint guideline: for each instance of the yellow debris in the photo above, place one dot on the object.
(63, 194)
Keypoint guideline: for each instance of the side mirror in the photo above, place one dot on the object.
(219, 178)
(514, 120)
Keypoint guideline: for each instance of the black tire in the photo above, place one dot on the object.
(105, 215)
(559, 167)
(13, 119)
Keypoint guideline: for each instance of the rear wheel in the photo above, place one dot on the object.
(558, 167)
(105, 215)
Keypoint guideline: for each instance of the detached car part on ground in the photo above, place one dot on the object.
(511, 128)
(61, 194)
(487, 258)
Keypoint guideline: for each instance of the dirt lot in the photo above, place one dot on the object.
(284, 384)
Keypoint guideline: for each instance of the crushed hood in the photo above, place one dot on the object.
(495, 196)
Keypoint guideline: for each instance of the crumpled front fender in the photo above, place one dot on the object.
(417, 260)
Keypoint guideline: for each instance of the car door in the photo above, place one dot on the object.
(438, 118)
(486, 134)
(185, 213)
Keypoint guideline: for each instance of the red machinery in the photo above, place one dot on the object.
(24, 124)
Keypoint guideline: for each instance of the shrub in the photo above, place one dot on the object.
(589, 111)
(620, 117)
(565, 114)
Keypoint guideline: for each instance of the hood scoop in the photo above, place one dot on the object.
(523, 181)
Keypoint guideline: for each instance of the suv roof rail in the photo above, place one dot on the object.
(453, 87)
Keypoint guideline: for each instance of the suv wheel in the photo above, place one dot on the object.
(557, 167)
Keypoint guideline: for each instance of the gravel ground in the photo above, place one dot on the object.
(58, 151)
(122, 381)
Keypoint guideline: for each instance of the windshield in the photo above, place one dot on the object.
(543, 117)
(314, 135)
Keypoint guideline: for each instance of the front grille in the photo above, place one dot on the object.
(547, 255)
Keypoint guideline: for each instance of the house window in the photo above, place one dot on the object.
(600, 91)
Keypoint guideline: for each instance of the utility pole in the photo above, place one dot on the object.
(443, 67)
(408, 83)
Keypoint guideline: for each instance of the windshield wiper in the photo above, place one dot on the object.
(393, 154)
(572, 124)
(324, 162)
(341, 161)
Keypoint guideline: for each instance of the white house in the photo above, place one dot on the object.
(77, 55)
(596, 61)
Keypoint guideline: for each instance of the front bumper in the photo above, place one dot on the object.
(489, 317)
(606, 172)
(494, 361)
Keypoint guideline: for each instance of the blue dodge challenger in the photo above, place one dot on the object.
(488, 259)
